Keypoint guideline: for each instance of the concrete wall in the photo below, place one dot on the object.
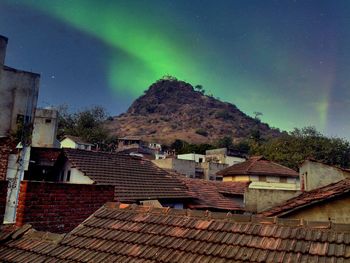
(271, 182)
(18, 92)
(192, 157)
(59, 207)
(257, 200)
(69, 143)
(3, 44)
(316, 175)
(210, 169)
(337, 210)
(45, 128)
(185, 167)
(76, 176)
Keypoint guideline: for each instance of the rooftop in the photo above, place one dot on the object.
(134, 178)
(215, 195)
(76, 139)
(310, 198)
(258, 165)
(119, 233)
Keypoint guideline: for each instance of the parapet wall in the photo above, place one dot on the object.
(59, 207)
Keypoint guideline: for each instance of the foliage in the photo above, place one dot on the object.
(225, 142)
(86, 124)
(291, 149)
(182, 147)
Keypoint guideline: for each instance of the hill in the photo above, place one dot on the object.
(172, 109)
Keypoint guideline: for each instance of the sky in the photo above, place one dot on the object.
(288, 59)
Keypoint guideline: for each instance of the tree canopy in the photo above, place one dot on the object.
(86, 124)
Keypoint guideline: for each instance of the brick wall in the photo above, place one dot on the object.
(59, 207)
(6, 146)
(3, 195)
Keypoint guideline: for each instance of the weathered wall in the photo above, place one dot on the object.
(3, 195)
(18, 90)
(6, 145)
(257, 200)
(45, 128)
(59, 207)
(3, 44)
(316, 175)
(181, 166)
(337, 210)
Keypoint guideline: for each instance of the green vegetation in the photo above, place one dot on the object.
(289, 149)
(86, 124)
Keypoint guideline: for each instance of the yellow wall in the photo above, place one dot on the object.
(337, 210)
(237, 178)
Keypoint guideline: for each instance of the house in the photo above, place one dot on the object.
(75, 142)
(315, 174)
(135, 179)
(328, 203)
(18, 96)
(271, 183)
(263, 174)
(216, 196)
(45, 128)
(223, 155)
(122, 233)
(129, 142)
(191, 168)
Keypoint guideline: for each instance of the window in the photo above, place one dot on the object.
(200, 160)
(68, 176)
(47, 120)
(283, 179)
(262, 178)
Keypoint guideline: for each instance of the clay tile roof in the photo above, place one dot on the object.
(77, 139)
(310, 198)
(134, 178)
(144, 234)
(215, 195)
(258, 165)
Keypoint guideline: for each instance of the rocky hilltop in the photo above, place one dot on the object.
(172, 109)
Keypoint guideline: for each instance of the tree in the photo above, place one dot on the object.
(225, 142)
(87, 124)
(292, 149)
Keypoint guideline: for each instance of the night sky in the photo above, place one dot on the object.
(289, 60)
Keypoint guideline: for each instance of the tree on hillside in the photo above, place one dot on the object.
(87, 124)
(291, 149)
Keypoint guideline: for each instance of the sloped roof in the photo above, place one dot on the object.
(258, 165)
(143, 234)
(134, 178)
(310, 198)
(215, 195)
(76, 139)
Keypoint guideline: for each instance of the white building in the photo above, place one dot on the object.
(74, 142)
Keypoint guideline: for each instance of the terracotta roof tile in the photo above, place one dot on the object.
(134, 178)
(215, 195)
(309, 198)
(143, 234)
(258, 165)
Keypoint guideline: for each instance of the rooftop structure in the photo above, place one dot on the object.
(119, 233)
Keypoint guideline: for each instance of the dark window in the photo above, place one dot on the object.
(200, 160)
(68, 176)
(283, 179)
(262, 178)
(47, 120)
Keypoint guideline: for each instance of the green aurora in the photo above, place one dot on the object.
(144, 48)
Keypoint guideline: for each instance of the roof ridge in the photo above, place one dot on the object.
(232, 218)
(254, 159)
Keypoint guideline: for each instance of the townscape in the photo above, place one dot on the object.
(69, 201)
